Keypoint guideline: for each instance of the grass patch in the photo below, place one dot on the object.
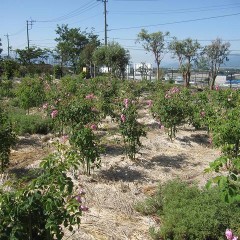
(189, 213)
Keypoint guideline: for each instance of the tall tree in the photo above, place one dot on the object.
(113, 56)
(87, 53)
(216, 54)
(32, 55)
(1, 70)
(0, 47)
(70, 44)
(155, 43)
(187, 52)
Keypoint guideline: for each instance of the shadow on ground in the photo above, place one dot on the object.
(114, 150)
(173, 161)
(122, 174)
(25, 142)
(201, 139)
(24, 173)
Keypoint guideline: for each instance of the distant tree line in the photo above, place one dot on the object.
(76, 49)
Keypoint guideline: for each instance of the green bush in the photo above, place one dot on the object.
(188, 213)
(32, 124)
(7, 139)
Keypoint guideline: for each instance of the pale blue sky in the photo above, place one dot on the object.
(203, 20)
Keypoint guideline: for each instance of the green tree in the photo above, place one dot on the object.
(7, 140)
(87, 53)
(0, 56)
(113, 56)
(216, 54)
(9, 67)
(32, 55)
(0, 47)
(155, 43)
(30, 93)
(187, 52)
(70, 44)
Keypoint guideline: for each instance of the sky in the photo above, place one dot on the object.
(202, 20)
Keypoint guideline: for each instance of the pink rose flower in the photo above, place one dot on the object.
(229, 234)
(64, 138)
(54, 113)
(79, 199)
(150, 103)
(123, 118)
(83, 208)
(45, 106)
(93, 127)
(90, 96)
(126, 102)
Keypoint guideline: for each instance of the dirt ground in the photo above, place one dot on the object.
(113, 189)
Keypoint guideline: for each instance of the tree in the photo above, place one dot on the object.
(187, 52)
(0, 47)
(7, 140)
(113, 56)
(70, 44)
(216, 54)
(87, 53)
(32, 55)
(9, 67)
(0, 57)
(155, 43)
(30, 93)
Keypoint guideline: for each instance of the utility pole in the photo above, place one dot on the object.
(105, 19)
(8, 44)
(29, 27)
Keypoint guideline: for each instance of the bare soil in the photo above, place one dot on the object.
(113, 189)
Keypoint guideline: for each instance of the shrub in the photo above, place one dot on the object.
(188, 213)
(30, 93)
(32, 124)
(130, 129)
(44, 207)
(7, 139)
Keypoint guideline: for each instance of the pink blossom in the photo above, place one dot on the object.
(229, 234)
(45, 106)
(54, 113)
(126, 102)
(90, 96)
(217, 88)
(162, 127)
(123, 118)
(64, 138)
(82, 192)
(79, 199)
(174, 90)
(83, 208)
(203, 114)
(94, 109)
(235, 238)
(150, 103)
(167, 96)
(93, 127)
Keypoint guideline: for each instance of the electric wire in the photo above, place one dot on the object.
(175, 22)
(90, 5)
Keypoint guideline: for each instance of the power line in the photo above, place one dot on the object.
(18, 32)
(175, 22)
(90, 5)
(180, 11)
